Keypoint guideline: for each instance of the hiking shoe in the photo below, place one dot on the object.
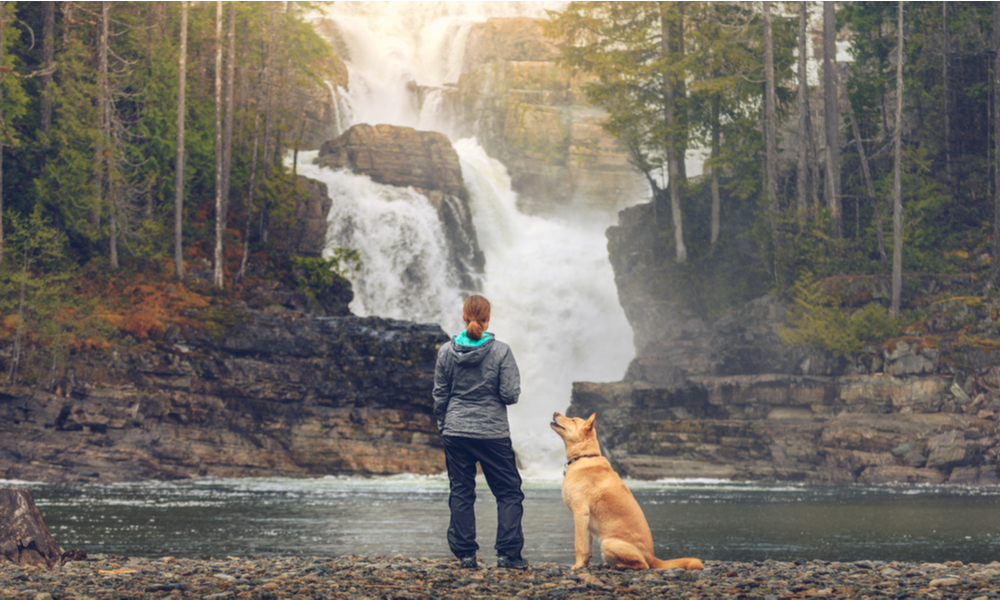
(468, 562)
(507, 562)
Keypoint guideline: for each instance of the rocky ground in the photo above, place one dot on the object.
(399, 577)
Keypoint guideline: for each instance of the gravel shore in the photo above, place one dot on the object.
(381, 577)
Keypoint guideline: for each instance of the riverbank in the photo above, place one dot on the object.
(380, 577)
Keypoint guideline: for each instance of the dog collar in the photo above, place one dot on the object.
(573, 460)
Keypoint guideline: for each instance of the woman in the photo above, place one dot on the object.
(474, 381)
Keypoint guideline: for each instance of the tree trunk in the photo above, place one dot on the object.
(268, 119)
(227, 131)
(102, 68)
(15, 360)
(866, 174)
(24, 538)
(945, 43)
(48, 50)
(3, 28)
(897, 177)
(680, 95)
(107, 143)
(831, 118)
(770, 126)
(996, 140)
(219, 218)
(802, 170)
(179, 168)
(716, 142)
(264, 80)
(670, 109)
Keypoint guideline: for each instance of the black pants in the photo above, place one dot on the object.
(500, 467)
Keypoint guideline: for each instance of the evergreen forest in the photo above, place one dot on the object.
(103, 222)
(841, 140)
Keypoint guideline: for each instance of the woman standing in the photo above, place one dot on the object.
(474, 381)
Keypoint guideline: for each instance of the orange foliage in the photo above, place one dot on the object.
(145, 305)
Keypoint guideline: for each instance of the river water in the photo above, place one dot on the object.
(408, 515)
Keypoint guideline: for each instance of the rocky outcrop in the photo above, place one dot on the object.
(400, 156)
(425, 161)
(515, 39)
(260, 393)
(726, 398)
(305, 233)
(868, 429)
(532, 115)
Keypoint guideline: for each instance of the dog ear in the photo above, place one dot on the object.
(589, 423)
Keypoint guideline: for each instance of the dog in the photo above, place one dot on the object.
(603, 506)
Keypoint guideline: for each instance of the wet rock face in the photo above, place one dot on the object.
(305, 234)
(530, 114)
(512, 39)
(400, 156)
(275, 394)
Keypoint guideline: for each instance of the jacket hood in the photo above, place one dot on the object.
(468, 356)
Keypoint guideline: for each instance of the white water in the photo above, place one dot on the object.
(548, 278)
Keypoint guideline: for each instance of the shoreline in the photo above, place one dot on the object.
(104, 576)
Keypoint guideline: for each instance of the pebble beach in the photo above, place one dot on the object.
(117, 577)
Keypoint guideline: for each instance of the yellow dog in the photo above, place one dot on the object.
(603, 506)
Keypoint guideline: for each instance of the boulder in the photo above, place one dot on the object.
(400, 156)
(910, 356)
(948, 449)
(24, 538)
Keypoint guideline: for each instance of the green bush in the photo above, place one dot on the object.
(313, 275)
(815, 319)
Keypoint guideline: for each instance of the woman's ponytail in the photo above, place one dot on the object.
(475, 312)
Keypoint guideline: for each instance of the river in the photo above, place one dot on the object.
(408, 516)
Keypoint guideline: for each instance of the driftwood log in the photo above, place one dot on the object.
(24, 538)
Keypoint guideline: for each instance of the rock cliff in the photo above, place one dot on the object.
(400, 156)
(725, 398)
(533, 116)
(273, 393)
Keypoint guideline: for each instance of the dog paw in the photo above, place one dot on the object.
(693, 564)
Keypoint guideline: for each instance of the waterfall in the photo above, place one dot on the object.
(554, 301)
(548, 278)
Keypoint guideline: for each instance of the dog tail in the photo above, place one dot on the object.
(691, 564)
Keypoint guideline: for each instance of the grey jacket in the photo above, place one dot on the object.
(472, 388)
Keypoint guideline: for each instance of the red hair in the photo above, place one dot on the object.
(475, 313)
